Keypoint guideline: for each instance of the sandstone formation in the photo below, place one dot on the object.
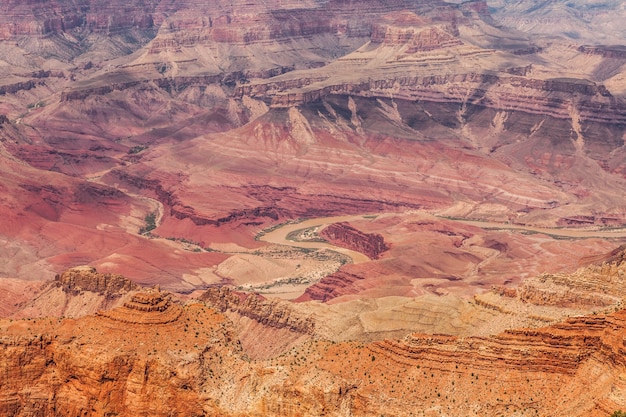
(273, 313)
(265, 328)
(77, 292)
(332, 286)
(169, 358)
(370, 244)
(149, 308)
(592, 287)
(79, 279)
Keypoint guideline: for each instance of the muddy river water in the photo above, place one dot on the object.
(279, 235)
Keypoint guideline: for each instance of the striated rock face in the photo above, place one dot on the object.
(605, 51)
(332, 286)
(599, 285)
(86, 278)
(343, 234)
(149, 308)
(524, 362)
(77, 292)
(117, 369)
(416, 33)
(271, 313)
(265, 328)
(192, 364)
(20, 18)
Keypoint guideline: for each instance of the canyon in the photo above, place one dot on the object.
(294, 208)
(157, 354)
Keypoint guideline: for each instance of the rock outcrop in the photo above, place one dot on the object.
(591, 289)
(86, 278)
(20, 18)
(77, 292)
(193, 365)
(149, 307)
(600, 286)
(272, 313)
(342, 234)
(99, 366)
(332, 286)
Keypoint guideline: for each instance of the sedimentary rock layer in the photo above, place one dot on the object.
(372, 245)
(191, 363)
(272, 313)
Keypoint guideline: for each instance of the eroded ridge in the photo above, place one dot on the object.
(87, 278)
(558, 349)
(371, 244)
(148, 307)
(273, 313)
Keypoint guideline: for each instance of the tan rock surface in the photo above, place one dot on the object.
(186, 359)
(203, 126)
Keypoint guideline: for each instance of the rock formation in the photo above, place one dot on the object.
(159, 139)
(332, 286)
(345, 235)
(77, 292)
(149, 307)
(86, 278)
(265, 328)
(272, 313)
(191, 364)
(598, 285)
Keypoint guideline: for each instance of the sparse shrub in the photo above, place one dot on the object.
(136, 149)
(150, 220)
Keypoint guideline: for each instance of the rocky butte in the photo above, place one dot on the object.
(312, 207)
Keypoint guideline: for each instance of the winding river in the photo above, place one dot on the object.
(279, 235)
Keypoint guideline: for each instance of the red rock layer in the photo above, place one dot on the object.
(86, 278)
(342, 234)
(271, 313)
(191, 364)
(332, 286)
(19, 18)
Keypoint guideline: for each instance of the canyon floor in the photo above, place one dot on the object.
(289, 208)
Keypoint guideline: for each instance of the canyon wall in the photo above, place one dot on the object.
(186, 359)
(272, 313)
(342, 234)
(20, 18)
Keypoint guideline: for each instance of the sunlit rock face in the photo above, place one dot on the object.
(156, 354)
(463, 167)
